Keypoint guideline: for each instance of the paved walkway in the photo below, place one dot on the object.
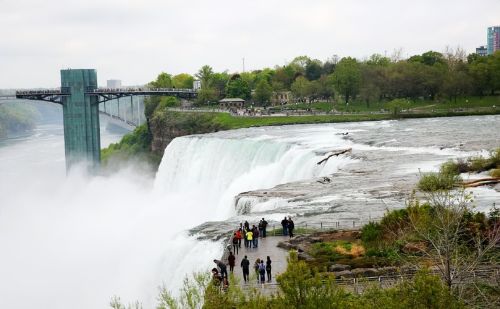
(267, 247)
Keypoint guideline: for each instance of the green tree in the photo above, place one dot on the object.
(325, 87)
(218, 83)
(206, 96)
(238, 88)
(205, 75)
(300, 88)
(314, 69)
(183, 80)
(163, 80)
(263, 92)
(347, 77)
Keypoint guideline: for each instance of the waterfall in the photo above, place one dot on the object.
(124, 234)
(211, 170)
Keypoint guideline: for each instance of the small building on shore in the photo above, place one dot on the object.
(281, 97)
(228, 103)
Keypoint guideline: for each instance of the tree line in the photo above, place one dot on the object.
(429, 76)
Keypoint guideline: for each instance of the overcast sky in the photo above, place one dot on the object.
(135, 40)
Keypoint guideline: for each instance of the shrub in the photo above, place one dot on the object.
(495, 172)
(432, 182)
(479, 164)
(450, 168)
(371, 232)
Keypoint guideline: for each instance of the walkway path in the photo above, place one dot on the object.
(267, 247)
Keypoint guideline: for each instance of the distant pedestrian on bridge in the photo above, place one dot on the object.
(245, 265)
(239, 236)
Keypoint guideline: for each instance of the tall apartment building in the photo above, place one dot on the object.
(493, 39)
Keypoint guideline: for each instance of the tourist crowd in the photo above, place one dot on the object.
(249, 235)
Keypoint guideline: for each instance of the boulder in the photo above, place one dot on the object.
(365, 272)
(286, 245)
(305, 257)
(389, 270)
(338, 267)
(414, 247)
(344, 274)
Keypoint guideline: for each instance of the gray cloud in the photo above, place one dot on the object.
(135, 40)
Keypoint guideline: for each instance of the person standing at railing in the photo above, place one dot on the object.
(264, 228)
(284, 225)
(255, 235)
(291, 226)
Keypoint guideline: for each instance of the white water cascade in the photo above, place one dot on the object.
(75, 241)
(214, 170)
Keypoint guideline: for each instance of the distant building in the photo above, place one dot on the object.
(482, 51)
(114, 83)
(232, 103)
(493, 39)
(196, 85)
(281, 97)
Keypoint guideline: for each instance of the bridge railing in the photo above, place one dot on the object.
(138, 90)
(53, 91)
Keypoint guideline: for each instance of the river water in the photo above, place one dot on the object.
(75, 241)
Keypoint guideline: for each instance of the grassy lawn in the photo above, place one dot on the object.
(419, 105)
(232, 122)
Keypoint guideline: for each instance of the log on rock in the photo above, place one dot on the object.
(336, 153)
(481, 182)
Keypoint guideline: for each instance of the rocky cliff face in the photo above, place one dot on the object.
(167, 125)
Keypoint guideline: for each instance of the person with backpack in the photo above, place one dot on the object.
(245, 265)
(256, 267)
(268, 268)
(262, 272)
(231, 259)
(235, 243)
(260, 226)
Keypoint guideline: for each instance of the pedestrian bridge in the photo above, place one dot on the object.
(80, 98)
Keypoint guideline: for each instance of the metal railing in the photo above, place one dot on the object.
(138, 90)
(54, 91)
(312, 227)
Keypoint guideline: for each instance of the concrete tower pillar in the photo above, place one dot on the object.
(82, 141)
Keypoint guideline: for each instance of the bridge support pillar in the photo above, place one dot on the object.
(82, 141)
